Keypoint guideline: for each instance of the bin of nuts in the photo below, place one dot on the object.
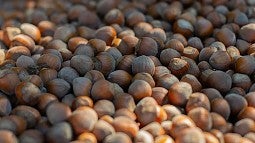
(127, 71)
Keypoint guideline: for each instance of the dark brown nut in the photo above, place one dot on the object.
(75, 11)
(201, 117)
(120, 77)
(30, 114)
(126, 113)
(178, 66)
(81, 86)
(140, 89)
(58, 112)
(127, 32)
(134, 18)
(124, 100)
(58, 87)
(160, 71)
(220, 60)
(125, 125)
(114, 16)
(30, 136)
(146, 111)
(7, 137)
(46, 28)
(166, 81)
(102, 129)
(191, 52)
(68, 74)
(117, 137)
(125, 63)
(60, 132)
(232, 137)
(50, 60)
(80, 101)
(203, 27)
(171, 12)
(106, 33)
(247, 31)
(146, 77)
(142, 28)
(236, 102)
(15, 52)
(206, 53)
(127, 44)
(211, 93)
(27, 93)
(237, 90)
(86, 32)
(250, 98)
(175, 44)
(13, 123)
(154, 128)
(6, 107)
(159, 34)
(47, 74)
(147, 46)
(196, 43)
(193, 81)
(25, 61)
(216, 18)
(115, 53)
(179, 93)
(109, 89)
(143, 64)
(183, 27)
(81, 123)
(98, 45)
(143, 136)
(159, 94)
(220, 81)
(179, 123)
(23, 40)
(247, 112)
(90, 137)
(210, 138)
(244, 126)
(82, 64)
(155, 61)
(193, 68)
(197, 99)
(241, 80)
(105, 63)
(31, 30)
(243, 46)
(6, 76)
(218, 121)
(64, 33)
(245, 64)
(104, 107)
(94, 75)
(168, 54)
(74, 42)
(226, 36)
(44, 100)
(221, 106)
(181, 38)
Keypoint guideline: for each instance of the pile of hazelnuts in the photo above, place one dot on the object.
(123, 71)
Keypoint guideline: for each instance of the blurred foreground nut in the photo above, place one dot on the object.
(87, 137)
(232, 137)
(7, 137)
(179, 93)
(201, 117)
(44, 100)
(140, 89)
(6, 107)
(102, 129)
(27, 93)
(244, 126)
(154, 128)
(190, 135)
(143, 136)
(221, 106)
(30, 114)
(248, 112)
(60, 132)
(83, 119)
(125, 125)
(31, 136)
(159, 94)
(13, 123)
(164, 139)
(250, 98)
(58, 112)
(210, 138)
(126, 113)
(117, 138)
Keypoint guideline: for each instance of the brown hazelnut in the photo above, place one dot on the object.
(236, 103)
(31, 135)
(31, 30)
(105, 63)
(120, 77)
(143, 64)
(179, 93)
(81, 86)
(124, 100)
(101, 130)
(245, 64)
(82, 64)
(106, 33)
(104, 107)
(147, 46)
(94, 75)
(58, 87)
(201, 117)
(140, 89)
